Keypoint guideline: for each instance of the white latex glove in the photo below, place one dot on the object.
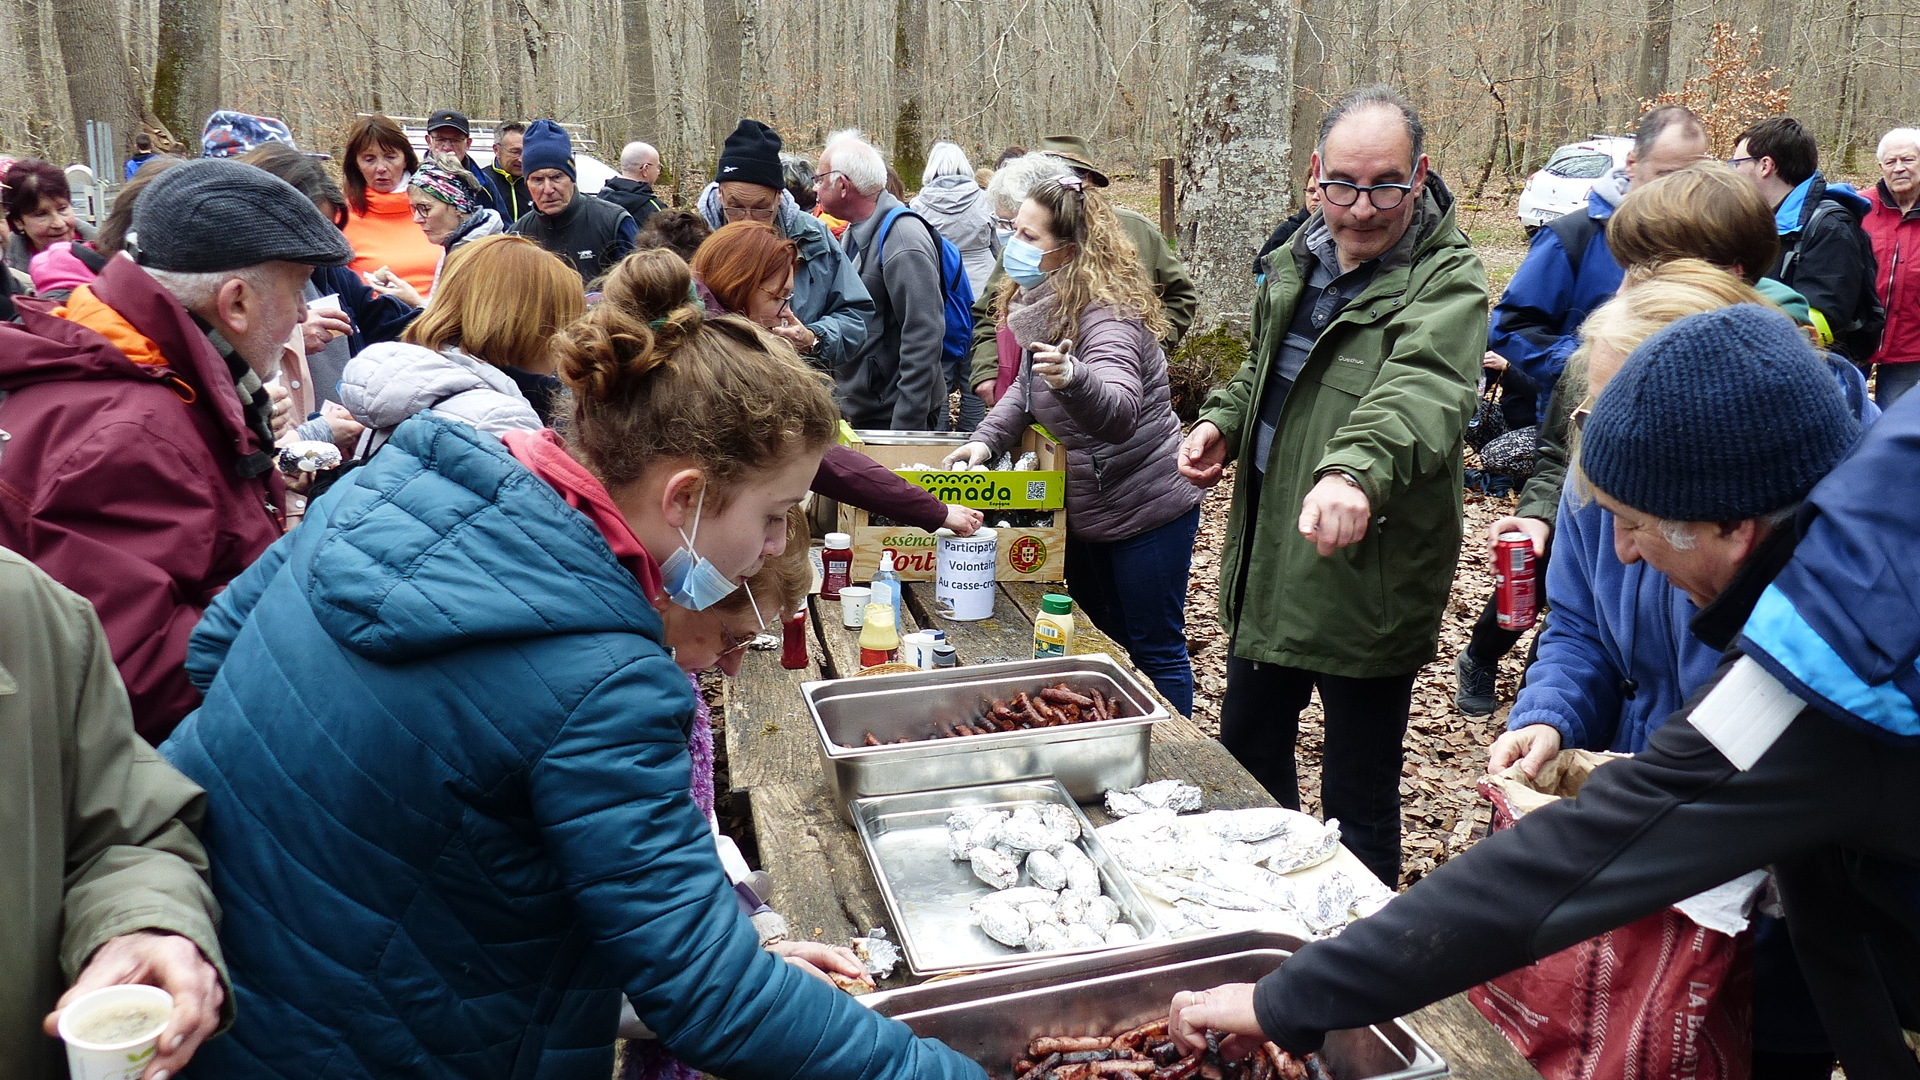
(969, 454)
(1053, 364)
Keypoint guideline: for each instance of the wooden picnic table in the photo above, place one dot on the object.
(821, 881)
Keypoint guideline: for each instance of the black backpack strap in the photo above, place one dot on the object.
(1575, 231)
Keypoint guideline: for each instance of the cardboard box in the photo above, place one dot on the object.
(1025, 554)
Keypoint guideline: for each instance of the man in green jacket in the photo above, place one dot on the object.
(1171, 283)
(101, 877)
(1346, 423)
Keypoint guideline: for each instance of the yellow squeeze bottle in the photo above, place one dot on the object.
(1053, 627)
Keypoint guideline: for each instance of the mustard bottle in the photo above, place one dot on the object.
(1053, 627)
(879, 641)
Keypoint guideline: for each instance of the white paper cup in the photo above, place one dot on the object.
(853, 606)
(329, 302)
(104, 1039)
(963, 578)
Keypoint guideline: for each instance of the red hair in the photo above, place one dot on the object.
(736, 259)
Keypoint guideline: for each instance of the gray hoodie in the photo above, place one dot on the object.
(959, 208)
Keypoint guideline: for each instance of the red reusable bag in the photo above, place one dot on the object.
(1656, 999)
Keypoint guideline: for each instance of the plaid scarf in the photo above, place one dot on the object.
(445, 186)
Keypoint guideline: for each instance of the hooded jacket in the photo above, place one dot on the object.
(636, 197)
(1384, 396)
(896, 379)
(99, 837)
(453, 833)
(1830, 262)
(959, 208)
(1896, 252)
(123, 477)
(828, 295)
(1115, 417)
(1537, 322)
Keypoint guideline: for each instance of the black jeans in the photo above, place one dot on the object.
(1366, 723)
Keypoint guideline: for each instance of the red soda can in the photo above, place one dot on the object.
(1516, 594)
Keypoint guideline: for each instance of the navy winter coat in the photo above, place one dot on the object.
(1536, 324)
(449, 804)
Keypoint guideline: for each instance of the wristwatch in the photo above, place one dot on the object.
(1342, 474)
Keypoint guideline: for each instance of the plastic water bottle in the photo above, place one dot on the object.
(886, 586)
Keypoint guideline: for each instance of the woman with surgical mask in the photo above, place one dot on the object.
(446, 736)
(1079, 307)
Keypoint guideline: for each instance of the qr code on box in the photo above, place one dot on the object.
(1036, 489)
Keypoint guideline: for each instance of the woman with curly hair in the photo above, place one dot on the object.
(1080, 308)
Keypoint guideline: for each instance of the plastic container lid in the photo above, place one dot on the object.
(838, 540)
(1055, 604)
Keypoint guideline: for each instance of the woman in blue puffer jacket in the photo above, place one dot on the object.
(445, 744)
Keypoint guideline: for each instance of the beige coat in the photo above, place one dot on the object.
(94, 826)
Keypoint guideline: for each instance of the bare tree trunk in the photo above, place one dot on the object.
(50, 122)
(1656, 45)
(101, 85)
(513, 97)
(1846, 104)
(1238, 116)
(723, 69)
(909, 66)
(186, 67)
(643, 115)
(1310, 60)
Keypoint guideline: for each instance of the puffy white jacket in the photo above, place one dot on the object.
(391, 381)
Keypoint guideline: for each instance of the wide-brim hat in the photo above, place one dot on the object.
(1073, 150)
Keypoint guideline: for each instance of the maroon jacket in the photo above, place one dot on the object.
(121, 480)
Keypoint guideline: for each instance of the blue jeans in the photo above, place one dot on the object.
(1895, 379)
(1135, 591)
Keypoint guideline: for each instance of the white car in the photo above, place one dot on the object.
(1563, 185)
(590, 173)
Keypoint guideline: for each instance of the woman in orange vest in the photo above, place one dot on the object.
(380, 223)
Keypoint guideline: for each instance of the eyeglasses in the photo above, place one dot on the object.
(1736, 161)
(748, 213)
(1578, 418)
(1383, 196)
(735, 644)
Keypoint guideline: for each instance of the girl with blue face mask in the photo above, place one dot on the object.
(1087, 322)
(480, 759)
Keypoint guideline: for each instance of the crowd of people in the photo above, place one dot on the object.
(366, 529)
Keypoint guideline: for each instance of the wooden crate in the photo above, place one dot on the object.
(1024, 554)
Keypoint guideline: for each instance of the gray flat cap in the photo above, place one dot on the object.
(218, 214)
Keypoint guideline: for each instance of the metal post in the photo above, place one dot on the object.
(1166, 198)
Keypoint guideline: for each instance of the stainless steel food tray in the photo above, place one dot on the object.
(991, 1017)
(1087, 758)
(928, 894)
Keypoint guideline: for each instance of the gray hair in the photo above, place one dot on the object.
(945, 159)
(1367, 98)
(1012, 181)
(636, 154)
(853, 157)
(1682, 537)
(1900, 136)
(197, 290)
(1655, 124)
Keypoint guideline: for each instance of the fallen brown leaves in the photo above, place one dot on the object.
(1441, 813)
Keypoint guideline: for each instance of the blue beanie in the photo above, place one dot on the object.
(1722, 416)
(546, 146)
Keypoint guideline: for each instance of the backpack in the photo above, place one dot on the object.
(956, 292)
(1860, 339)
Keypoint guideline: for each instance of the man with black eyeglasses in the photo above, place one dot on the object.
(1346, 422)
(830, 310)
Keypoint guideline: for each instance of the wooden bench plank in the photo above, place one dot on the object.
(821, 882)
(770, 737)
(1472, 1048)
(1008, 635)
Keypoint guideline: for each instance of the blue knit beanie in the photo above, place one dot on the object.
(1722, 416)
(546, 146)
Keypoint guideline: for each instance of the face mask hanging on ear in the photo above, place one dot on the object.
(690, 578)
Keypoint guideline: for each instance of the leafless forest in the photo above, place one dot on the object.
(1232, 88)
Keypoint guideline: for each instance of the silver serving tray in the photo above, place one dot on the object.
(992, 1016)
(928, 894)
(1088, 759)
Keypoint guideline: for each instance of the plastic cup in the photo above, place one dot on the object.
(105, 1037)
(329, 303)
(853, 606)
